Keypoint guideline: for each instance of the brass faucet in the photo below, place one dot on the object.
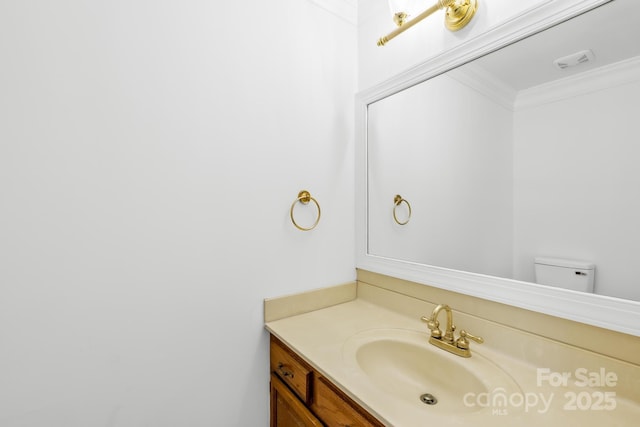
(448, 342)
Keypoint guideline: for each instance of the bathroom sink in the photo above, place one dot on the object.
(403, 366)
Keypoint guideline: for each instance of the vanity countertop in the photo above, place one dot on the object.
(321, 337)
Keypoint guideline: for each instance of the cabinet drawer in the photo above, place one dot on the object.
(335, 409)
(291, 369)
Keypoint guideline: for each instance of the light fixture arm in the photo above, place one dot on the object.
(459, 13)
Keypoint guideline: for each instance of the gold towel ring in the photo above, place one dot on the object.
(304, 197)
(397, 201)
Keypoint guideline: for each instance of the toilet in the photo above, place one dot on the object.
(565, 273)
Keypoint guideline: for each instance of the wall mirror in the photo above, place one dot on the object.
(527, 150)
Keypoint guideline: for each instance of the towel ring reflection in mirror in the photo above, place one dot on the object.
(304, 197)
(397, 201)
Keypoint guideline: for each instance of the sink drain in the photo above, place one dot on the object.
(428, 399)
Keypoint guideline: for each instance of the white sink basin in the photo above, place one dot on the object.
(402, 365)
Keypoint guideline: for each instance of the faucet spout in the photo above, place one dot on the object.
(434, 324)
(447, 341)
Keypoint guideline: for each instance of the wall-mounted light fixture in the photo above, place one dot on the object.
(458, 14)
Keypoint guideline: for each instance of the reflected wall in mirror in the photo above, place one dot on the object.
(510, 157)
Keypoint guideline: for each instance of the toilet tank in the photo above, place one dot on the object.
(565, 273)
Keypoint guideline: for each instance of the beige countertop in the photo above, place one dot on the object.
(324, 337)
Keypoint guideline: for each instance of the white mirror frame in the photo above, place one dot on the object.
(597, 310)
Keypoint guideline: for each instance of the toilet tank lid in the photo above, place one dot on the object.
(566, 263)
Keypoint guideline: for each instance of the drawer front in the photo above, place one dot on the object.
(293, 371)
(336, 410)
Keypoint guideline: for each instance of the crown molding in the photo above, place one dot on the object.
(485, 83)
(605, 77)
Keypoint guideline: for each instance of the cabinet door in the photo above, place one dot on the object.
(286, 408)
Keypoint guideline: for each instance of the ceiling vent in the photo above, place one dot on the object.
(574, 59)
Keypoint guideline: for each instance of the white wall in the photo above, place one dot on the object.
(446, 149)
(149, 154)
(576, 186)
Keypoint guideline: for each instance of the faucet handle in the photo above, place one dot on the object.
(463, 342)
(433, 325)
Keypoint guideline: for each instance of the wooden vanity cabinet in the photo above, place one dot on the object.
(302, 397)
